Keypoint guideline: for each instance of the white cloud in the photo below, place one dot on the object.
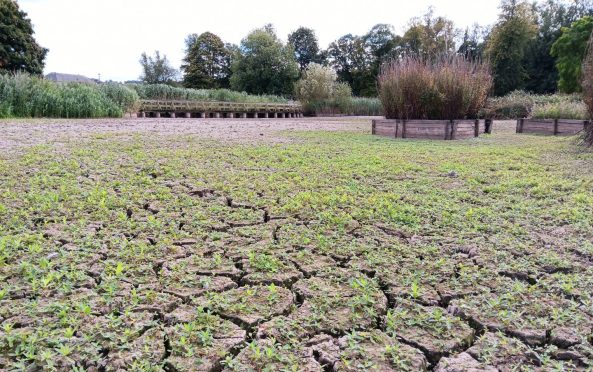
(89, 37)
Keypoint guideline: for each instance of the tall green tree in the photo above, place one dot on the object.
(306, 47)
(429, 36)
(18, 49)
(551, 15)
(352, 61)
(157, 69)
(207, 62)
(508, 43)
(569, 51)
(264, 65)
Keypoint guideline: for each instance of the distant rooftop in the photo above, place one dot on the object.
(68, 78)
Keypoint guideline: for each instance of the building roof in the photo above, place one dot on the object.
(68, 78)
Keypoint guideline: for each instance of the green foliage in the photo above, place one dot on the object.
(18, 49)
(352, 62)
(157, 69)
(587, 84)
(569, 51)
(123, 96)
(429, 36)
(163, 91)
(354, 106)
(507, 45)
(561, 110)
(265, 65)
(306, 47)
(449, 88)
(207, 62)
(23, 95)
(317, 83)
(521, 104)
(540, 65)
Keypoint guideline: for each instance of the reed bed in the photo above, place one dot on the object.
(27, 96)
(167, 92)
(451, 87)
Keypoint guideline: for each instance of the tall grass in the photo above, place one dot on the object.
(167, 92)
(562, 110)
(520, 104)
(450, 87)
(356, 106)
(23, 95)
(587, 84)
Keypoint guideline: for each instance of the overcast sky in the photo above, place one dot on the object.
(89, 37)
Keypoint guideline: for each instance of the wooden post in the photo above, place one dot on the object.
(203, 115)
(172, 115)
(217, 115)
(447, 129)
(488, 125)
(244, 115)
(404, 128)
(476, 128)
(396, 128)
(265, 115)
(157, 114)
(373, 126)
(187, 115)
(556, 127)
(520, 125)
(142, 114)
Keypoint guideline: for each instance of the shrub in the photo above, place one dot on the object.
(519, 104)
(561, 110)
(317, 84)
(587, 84)
(451, 87)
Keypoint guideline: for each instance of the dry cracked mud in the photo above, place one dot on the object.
(306, 244)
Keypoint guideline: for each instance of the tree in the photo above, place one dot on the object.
(382, 45)
(569, 51)
(507, 45)
(429, 36)
(264, 65)
(157, 69)
(207, 63)
(353, 63)
(306, 47)
(18, 49)
(473, 42)
(540, 65)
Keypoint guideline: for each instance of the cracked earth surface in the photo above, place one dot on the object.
(305, 244)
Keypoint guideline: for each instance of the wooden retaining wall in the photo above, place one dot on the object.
(552, 127)
(207, 109)
(430, 129)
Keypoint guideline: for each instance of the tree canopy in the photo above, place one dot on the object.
(306, 47)
(569, 51)
(508, 43)
(18, 49)
(157, 69)
(207, 62)
(264, 65)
